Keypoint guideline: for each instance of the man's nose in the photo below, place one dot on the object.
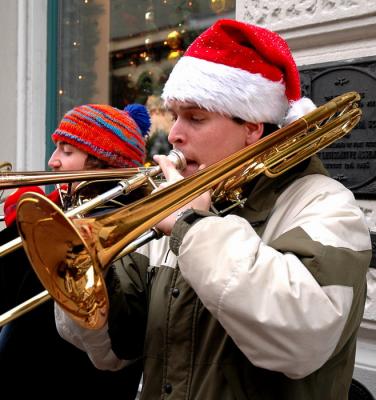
(176, 134)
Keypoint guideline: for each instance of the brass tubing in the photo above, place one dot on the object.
(10, 180)
(24, 307)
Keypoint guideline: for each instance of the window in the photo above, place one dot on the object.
(122, 51)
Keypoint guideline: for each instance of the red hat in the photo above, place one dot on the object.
(10, 204)
(240, 70)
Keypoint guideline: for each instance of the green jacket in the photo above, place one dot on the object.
(266, 306)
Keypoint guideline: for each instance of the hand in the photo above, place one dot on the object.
(172, 175)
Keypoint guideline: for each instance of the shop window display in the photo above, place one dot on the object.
(122, 51)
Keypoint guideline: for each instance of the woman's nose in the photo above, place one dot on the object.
(54, 162)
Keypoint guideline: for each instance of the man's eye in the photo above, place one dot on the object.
(197, 118)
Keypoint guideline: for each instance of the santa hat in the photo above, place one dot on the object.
(112, 135)
(240, 70)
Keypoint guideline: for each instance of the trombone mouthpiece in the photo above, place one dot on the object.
(177, 157)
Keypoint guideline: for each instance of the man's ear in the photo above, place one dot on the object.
(254, 132)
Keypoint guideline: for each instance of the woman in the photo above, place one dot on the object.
(88, 137)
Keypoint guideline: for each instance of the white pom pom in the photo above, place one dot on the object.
(297, 109)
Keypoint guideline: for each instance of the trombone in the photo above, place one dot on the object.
(71, 269)
(6, 166)
(125, 186)
(10, 180)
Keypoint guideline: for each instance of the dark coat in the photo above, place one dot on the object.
(32, 352)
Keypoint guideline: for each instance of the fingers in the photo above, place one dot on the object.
(202, 166)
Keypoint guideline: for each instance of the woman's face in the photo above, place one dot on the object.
(67, 158)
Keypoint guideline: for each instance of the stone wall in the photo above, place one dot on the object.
(317, 30)
(321, 32)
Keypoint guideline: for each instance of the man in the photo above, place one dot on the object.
(88, 137)
(264, 302)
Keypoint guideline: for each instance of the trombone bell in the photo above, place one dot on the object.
(65, 265)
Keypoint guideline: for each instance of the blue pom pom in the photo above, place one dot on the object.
(141, 116)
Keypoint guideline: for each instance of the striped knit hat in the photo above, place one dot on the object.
(110, 134)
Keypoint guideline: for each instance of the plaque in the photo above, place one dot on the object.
(352, 159)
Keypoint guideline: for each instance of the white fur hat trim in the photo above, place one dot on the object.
(227, 90)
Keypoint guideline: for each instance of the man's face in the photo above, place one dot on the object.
(67, 158)
(206, 137)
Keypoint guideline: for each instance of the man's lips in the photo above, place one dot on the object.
(192, 164)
